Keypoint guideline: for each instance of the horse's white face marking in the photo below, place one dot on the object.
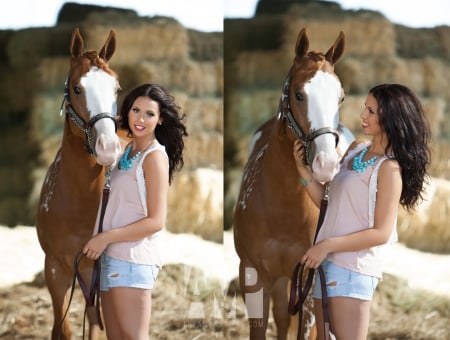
(323, 93)
(100, 89)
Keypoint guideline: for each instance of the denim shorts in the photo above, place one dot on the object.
(345, 282)
(118, 273)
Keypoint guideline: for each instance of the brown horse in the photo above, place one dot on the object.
(274, 219)
(72, 188)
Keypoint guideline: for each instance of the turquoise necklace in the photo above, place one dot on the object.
(358, 165)
(126, 163)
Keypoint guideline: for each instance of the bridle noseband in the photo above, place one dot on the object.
(84, 126)
(284, 111)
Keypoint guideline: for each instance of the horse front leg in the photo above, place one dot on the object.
(256, 296)
(58, 283)
(280, 307)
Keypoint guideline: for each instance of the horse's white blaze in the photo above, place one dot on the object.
(323, 92)
(100, 89)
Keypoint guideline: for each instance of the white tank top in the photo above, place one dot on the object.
(351, 208)
(127, 203)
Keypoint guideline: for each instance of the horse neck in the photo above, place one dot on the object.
(280, 148)
(76, 162)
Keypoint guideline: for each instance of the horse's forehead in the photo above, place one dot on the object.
(323, 92)
(86, 63)
(97, 77)
(323, 83)
(309, 67)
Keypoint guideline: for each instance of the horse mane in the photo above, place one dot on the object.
(95, 60)
(306, 67)
(316, 56)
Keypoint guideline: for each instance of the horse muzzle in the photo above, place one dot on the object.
(107, 149)
(325, 165)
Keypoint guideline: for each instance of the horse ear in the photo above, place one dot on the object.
(109, 48)
(76, 44)
(302, 44)
(337, 50)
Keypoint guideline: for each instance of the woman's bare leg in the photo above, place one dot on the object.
(112, 328)
(350, 317)
(132, 307)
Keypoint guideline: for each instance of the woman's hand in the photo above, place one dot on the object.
(95, 246)
(315, 255)
(303, 169)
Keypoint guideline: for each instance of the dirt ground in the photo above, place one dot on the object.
(188, 304)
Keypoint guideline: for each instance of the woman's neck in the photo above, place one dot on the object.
(141, 144)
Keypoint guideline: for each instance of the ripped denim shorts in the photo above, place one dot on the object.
(345, 282)
(118, 273)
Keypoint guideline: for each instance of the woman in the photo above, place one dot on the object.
(136, 210)
(375, 176)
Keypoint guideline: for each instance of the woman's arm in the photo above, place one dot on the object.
(315, 189)
(156, 170)
(388, 196)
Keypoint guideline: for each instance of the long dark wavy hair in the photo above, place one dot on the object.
(170, 132)
(402, 117)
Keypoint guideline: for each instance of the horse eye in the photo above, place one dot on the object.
(341, 100)
(298, 96)
(77, 90)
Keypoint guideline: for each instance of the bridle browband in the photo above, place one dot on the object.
(84, 126)
(284, 111)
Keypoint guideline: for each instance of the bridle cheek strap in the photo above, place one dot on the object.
(87, 127)
(284, 111)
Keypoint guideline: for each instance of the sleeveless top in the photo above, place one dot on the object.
(351, 208)
(127, 204)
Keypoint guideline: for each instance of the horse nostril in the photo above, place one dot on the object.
(101, 145)
(320, 161)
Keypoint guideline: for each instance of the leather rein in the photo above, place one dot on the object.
(92, 293)
(299, 294)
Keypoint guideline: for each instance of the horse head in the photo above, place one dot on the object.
(91, 98)
(310, 105)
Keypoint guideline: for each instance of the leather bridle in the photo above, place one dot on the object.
(84, 126)
(284, 110)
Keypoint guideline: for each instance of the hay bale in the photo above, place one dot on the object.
(436, 73)
(252, 108)
(204, 114)
(427, 228)
(144, 42)
(262, 69)
(52, 73)
(204, 150)
(440, 161)
(196, 204)
(192, 77)
(368, 38)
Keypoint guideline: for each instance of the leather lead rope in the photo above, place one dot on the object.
(92, 293)
(298, 294)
